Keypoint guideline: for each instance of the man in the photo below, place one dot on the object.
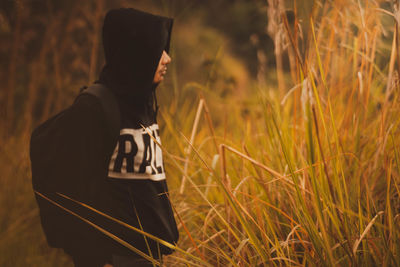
(125, 178)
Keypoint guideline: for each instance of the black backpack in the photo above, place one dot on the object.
(49, 160)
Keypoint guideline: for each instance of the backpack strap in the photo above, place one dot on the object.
(109, 104)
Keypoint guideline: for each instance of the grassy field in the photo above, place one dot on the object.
(298, 170)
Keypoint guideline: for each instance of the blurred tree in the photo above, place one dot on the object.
(239, 20)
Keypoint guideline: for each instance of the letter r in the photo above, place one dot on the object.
(127, 150)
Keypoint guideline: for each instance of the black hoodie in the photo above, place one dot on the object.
(130, 184)
(133, 44)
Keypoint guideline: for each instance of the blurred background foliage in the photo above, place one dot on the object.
(49, 49)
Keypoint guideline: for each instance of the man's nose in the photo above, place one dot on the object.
(167, 58)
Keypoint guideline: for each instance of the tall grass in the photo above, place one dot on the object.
(310, 178)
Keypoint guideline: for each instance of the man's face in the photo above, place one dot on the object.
(162, 67)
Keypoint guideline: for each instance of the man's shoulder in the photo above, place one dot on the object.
(87, 113)
(87, 102)
(97, 111)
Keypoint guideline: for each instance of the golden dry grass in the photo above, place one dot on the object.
(309, 177)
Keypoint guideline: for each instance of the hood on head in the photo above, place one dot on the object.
(133, 43)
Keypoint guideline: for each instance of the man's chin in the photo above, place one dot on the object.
(158, 80)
